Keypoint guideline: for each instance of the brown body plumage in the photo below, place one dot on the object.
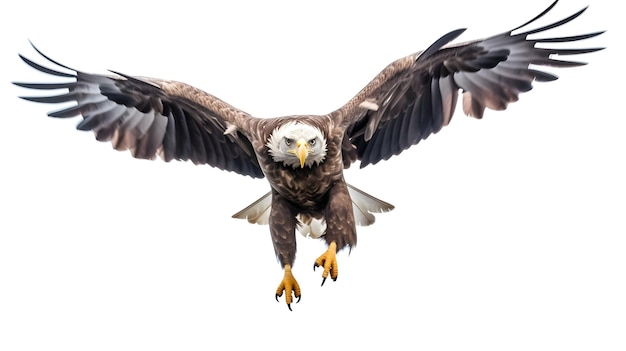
(309, 191)
(303, 157)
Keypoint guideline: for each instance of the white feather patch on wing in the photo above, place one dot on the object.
(231, 129)
(258, 212)
(370, 105)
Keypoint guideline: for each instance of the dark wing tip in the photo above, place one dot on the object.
(44, 69)
(439, 43)
(549, 26)
(44, 86)
(536, 17)
(570, 38)
(48, 58)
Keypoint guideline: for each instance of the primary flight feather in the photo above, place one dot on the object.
(303, 157)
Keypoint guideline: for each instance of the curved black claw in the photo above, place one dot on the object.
(314, 266)
(288, 305)
(324, 280)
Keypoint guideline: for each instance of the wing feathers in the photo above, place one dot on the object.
(45, 69)
(104, 114)
(536, 17)
(46, 86)
(148, 145)
(410, 99)
(418, 97)
(570, 39)
(549, 26)
(166, 151)
(151, 117)
(445, 39)
(449, 97)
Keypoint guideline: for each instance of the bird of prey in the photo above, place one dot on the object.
(303, 157)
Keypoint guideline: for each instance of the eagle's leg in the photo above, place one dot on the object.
(340, 229)
(329, 261)
(288, 284)
(283, 229)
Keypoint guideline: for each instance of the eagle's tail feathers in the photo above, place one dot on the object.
(363, 206)
(258, 212)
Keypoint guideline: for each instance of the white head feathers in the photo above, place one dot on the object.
(283, 140)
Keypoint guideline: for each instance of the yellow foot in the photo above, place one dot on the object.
(329, 261)
(288, 284)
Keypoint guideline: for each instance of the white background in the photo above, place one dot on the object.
(508, 233)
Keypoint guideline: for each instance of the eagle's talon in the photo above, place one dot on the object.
(328, 260)
(288, 285)
(289, 306)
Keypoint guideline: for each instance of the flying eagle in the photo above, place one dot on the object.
(303, 157)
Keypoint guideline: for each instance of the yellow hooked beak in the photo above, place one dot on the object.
(301, 151)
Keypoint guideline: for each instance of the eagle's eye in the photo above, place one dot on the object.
(288, 141)
(312, 142)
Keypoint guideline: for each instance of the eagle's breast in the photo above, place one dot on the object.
(305, 187)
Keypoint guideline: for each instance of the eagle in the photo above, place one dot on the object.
(303, 157)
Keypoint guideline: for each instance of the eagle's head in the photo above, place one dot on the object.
(297, 144)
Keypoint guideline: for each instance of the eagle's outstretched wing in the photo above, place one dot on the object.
(416, 96)
(153, 117)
